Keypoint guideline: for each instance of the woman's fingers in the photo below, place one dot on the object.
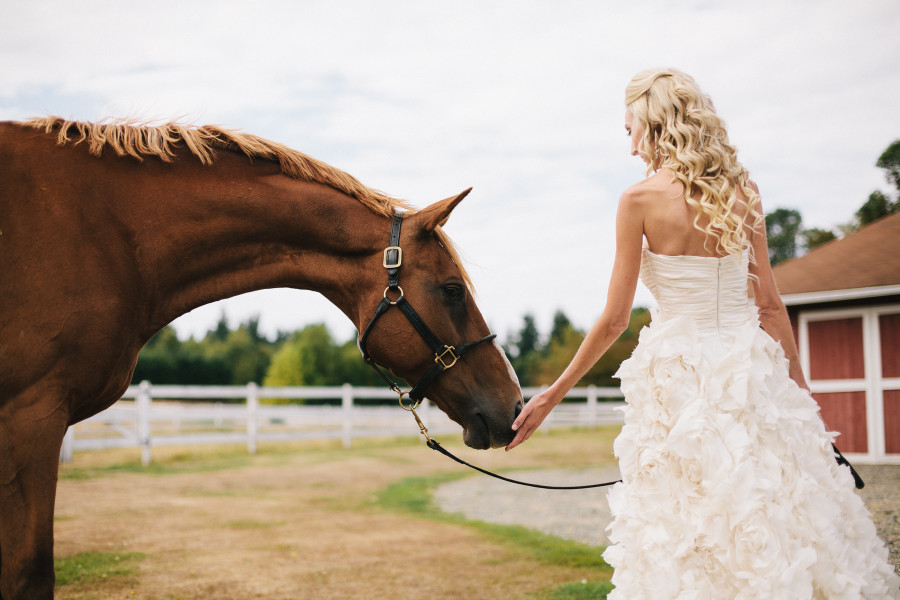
(526, 410)
(527, 422)
(522, 435)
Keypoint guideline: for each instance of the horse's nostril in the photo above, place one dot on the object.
(519, 407)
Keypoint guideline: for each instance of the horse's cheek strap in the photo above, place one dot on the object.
(416, 321)
(379, 310)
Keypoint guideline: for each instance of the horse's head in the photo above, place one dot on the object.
(480, 390)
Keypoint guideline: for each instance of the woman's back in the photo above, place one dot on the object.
(669, 221)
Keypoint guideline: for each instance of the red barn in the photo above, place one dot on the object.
(844, 302)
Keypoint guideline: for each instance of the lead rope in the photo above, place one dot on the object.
(434, 445)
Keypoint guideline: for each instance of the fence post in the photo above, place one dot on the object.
(142, 403)
(347, 406)
(592, 406)
(68, 446)
(218, 419)
(252, 416)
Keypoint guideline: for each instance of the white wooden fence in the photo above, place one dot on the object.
(157, 415)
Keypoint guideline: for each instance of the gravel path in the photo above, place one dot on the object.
(582, 515)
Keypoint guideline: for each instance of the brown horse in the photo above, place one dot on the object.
(110, 231)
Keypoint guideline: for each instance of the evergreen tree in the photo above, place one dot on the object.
(813, 238)
(247, 355)
(528, 338)
(876, 207)
(167, 360)
(561, 327)
(525, 351)
(563, 346)
(890, 161)
(221, 330)
(782, 228)
(564, 342)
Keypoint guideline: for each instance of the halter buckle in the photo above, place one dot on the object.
(396, 264)
(440, 357)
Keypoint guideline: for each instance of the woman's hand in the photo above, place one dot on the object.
(532, 415)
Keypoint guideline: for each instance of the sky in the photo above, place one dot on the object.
(521, 100)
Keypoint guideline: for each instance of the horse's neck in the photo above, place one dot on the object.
(234, 230)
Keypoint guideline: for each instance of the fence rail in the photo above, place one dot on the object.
(150, 416)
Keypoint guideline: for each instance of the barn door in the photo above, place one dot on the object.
(889, 332)
(837, 376)
(852, 359)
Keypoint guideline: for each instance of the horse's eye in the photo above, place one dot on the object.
(452, 291)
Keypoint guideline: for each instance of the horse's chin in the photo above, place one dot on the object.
(477, 435)
(479, 440)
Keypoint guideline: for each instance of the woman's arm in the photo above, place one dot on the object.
(612, 322)
(772, 314)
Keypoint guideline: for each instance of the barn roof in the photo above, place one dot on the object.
(866, 263)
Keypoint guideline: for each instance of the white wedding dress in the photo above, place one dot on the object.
(730, 487)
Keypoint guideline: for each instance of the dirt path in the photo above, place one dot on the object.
(301, 524)
(583, 515)
(304, 522)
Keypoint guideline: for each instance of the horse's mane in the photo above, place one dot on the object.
(134, 138)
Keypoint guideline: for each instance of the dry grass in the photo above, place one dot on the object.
(297, 522)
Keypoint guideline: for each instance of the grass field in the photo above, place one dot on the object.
(310, 521)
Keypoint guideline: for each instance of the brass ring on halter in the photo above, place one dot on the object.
(398, 298)
(410, 407)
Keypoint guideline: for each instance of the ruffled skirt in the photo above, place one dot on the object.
(730, 488)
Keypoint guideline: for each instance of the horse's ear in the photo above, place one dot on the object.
(438, 213)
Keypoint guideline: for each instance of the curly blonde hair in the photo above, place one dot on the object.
(682, 133)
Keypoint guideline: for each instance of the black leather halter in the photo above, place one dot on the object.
(445, 356)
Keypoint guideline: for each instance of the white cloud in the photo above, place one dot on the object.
(523, 100)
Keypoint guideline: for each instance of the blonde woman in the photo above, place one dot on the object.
(730, 487)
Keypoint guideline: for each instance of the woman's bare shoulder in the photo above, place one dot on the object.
(657, 186)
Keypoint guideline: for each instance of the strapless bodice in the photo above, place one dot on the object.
(710, 291)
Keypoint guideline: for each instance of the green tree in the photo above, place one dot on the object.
(246, 354)
(309, 357)
(564, 345)
(890, 161)
(166, 359)
(879, 204)
(561, 327)
(351, 368)
(558, 353)
(156, 361)
(221, 330)
(813, 238)
(528, 339)
(876, 207)
(782, 229)
(602, 372)
(525, 351)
